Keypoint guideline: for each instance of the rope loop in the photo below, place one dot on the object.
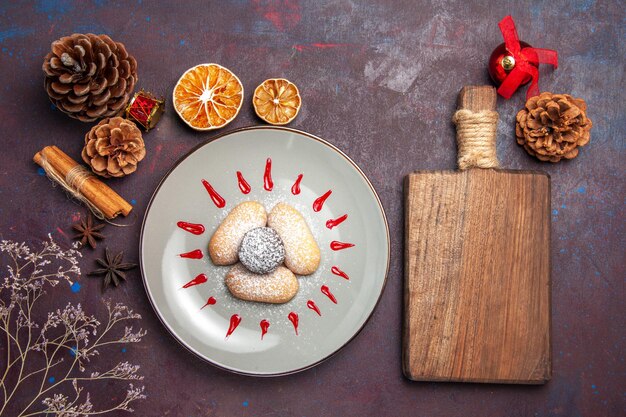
(476, 138)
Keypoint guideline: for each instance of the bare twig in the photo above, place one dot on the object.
(70, 328)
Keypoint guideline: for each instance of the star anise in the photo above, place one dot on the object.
(88, 232)
(112, 268)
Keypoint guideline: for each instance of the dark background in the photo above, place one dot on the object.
(379, 80)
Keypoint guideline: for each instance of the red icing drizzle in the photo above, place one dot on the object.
(268, 184)
(264, 326)
(335, 270)
(335, 245)
(234, 322)
(194, 254)
(200, 279)
(243, 184)
(327, 293)
(311, 304)
(218, 200)
(195, 228)
(293, 318)
(317, 204)
(336, 222)
(211, 301)
(295, 188)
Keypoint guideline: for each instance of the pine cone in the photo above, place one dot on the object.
(113, 147)
(89, 76)
(553, 126)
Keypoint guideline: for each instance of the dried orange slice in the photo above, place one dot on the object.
(277, 101)
(208, 96)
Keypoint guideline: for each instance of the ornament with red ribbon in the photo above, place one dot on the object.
(515, 63)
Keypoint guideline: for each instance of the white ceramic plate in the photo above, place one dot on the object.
(182, 196)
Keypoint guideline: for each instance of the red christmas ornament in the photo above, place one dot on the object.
(515, 63)
(502, 62)
(145, 109)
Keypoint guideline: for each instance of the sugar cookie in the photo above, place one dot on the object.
(276, 287)
(225, 242)
(302, 255)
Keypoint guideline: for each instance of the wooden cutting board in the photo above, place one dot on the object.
(477, 272)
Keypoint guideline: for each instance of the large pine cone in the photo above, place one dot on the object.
(89, 76)
(553, 126)
(113, 147)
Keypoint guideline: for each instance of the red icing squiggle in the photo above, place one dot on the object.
(326, 291)
(194, 254)
(235, 319)
(295, 188)
(211, 301)
(268, 184)
(243, 184)
(293, 318)
(311, 304)
(335, 245)
(200, 279)
(319, 202)
(335, 270)
(336, 222)
(264, 326)
(218, 200)
(194, 228)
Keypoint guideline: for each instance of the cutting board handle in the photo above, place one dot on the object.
(476, 123)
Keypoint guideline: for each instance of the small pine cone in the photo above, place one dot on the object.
(89, 76)
(113, 147)
(553, 126)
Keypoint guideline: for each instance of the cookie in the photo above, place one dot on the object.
(276, 287)
(261, 250)
(302, 255)
(224, 243)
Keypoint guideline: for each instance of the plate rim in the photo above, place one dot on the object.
(166, 176)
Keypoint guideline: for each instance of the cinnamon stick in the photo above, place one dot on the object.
(99, 194)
